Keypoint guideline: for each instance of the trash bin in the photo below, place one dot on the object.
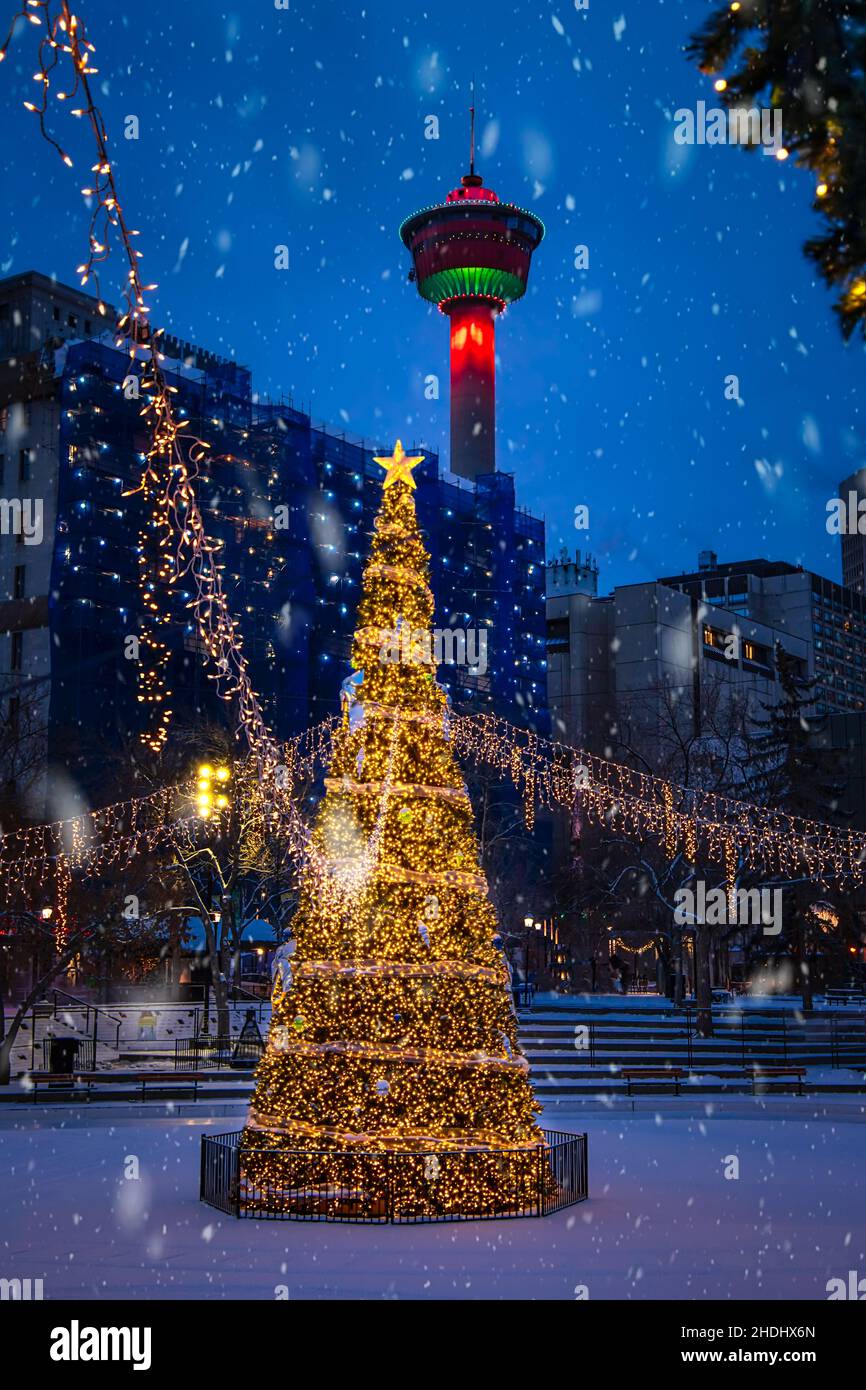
(63, 1055)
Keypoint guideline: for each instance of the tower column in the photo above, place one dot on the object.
(473, 385)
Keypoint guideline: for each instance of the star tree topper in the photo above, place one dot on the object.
(398, 468)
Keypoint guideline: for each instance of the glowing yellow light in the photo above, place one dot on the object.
(858, 289)
(782, 153)
(222, 774)
(821, 190)
(205, 770)
(398, 468)
(720, 84)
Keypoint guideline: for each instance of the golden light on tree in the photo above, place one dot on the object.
(397, 1033)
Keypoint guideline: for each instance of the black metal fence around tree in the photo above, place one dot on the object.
(334, 1186)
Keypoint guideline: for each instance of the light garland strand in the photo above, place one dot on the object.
(731, 834)
(174, 455)
(703, 825)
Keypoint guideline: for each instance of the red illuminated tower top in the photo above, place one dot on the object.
(471, 257)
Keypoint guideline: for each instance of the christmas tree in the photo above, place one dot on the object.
(393, 1031)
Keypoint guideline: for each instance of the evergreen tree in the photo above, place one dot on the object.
(806, 58)
(790, 770)
(793, 773)
(395, 1030)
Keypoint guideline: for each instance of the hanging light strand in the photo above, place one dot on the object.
(173, 544)
(706, 825)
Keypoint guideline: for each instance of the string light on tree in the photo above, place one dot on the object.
(407, 1039)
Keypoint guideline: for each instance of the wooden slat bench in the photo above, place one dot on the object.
(776, 1074)
(173, 1080)
(88, 1082)
(60, 1081)
(674, 1074)
(845, 996)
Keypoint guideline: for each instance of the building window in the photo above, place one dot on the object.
(17, 650)
(558, 637)
(18, 581)
(2, 468)
(716, 639)
(23, 465)
(72, 321)
(757, 655)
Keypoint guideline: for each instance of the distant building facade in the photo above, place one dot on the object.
(828, 617)
(613, 660)
(853, 539)
(72, 442)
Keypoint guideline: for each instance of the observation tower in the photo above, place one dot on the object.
(471, 256)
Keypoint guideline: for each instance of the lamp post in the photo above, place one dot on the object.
(216, 918)
(539, 956)
(212, 788)
(528, 925)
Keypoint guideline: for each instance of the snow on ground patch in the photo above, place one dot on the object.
(662, 1222)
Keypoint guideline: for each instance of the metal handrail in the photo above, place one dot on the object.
(87, 1004)
(52, 1004)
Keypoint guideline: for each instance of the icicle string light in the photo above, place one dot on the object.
(174, 455)
(732, 835)
(707, 826)
(44, 856)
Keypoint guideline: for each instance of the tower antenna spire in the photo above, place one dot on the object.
(472, 130)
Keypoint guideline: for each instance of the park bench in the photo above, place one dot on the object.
(173, 1080)
(74, 1084)
(61, 1081)
(845, 996)
(674, 1074)
(776, 1074)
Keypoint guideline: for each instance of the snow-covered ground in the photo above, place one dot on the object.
(663, 1221)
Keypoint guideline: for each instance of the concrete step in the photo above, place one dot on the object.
(629, 1028)
(703, 1088)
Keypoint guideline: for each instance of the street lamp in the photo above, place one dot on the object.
(539, 926)
(216, 918)
(528, 923)
(210, 798)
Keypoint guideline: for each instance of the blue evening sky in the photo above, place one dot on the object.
(305, 127)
